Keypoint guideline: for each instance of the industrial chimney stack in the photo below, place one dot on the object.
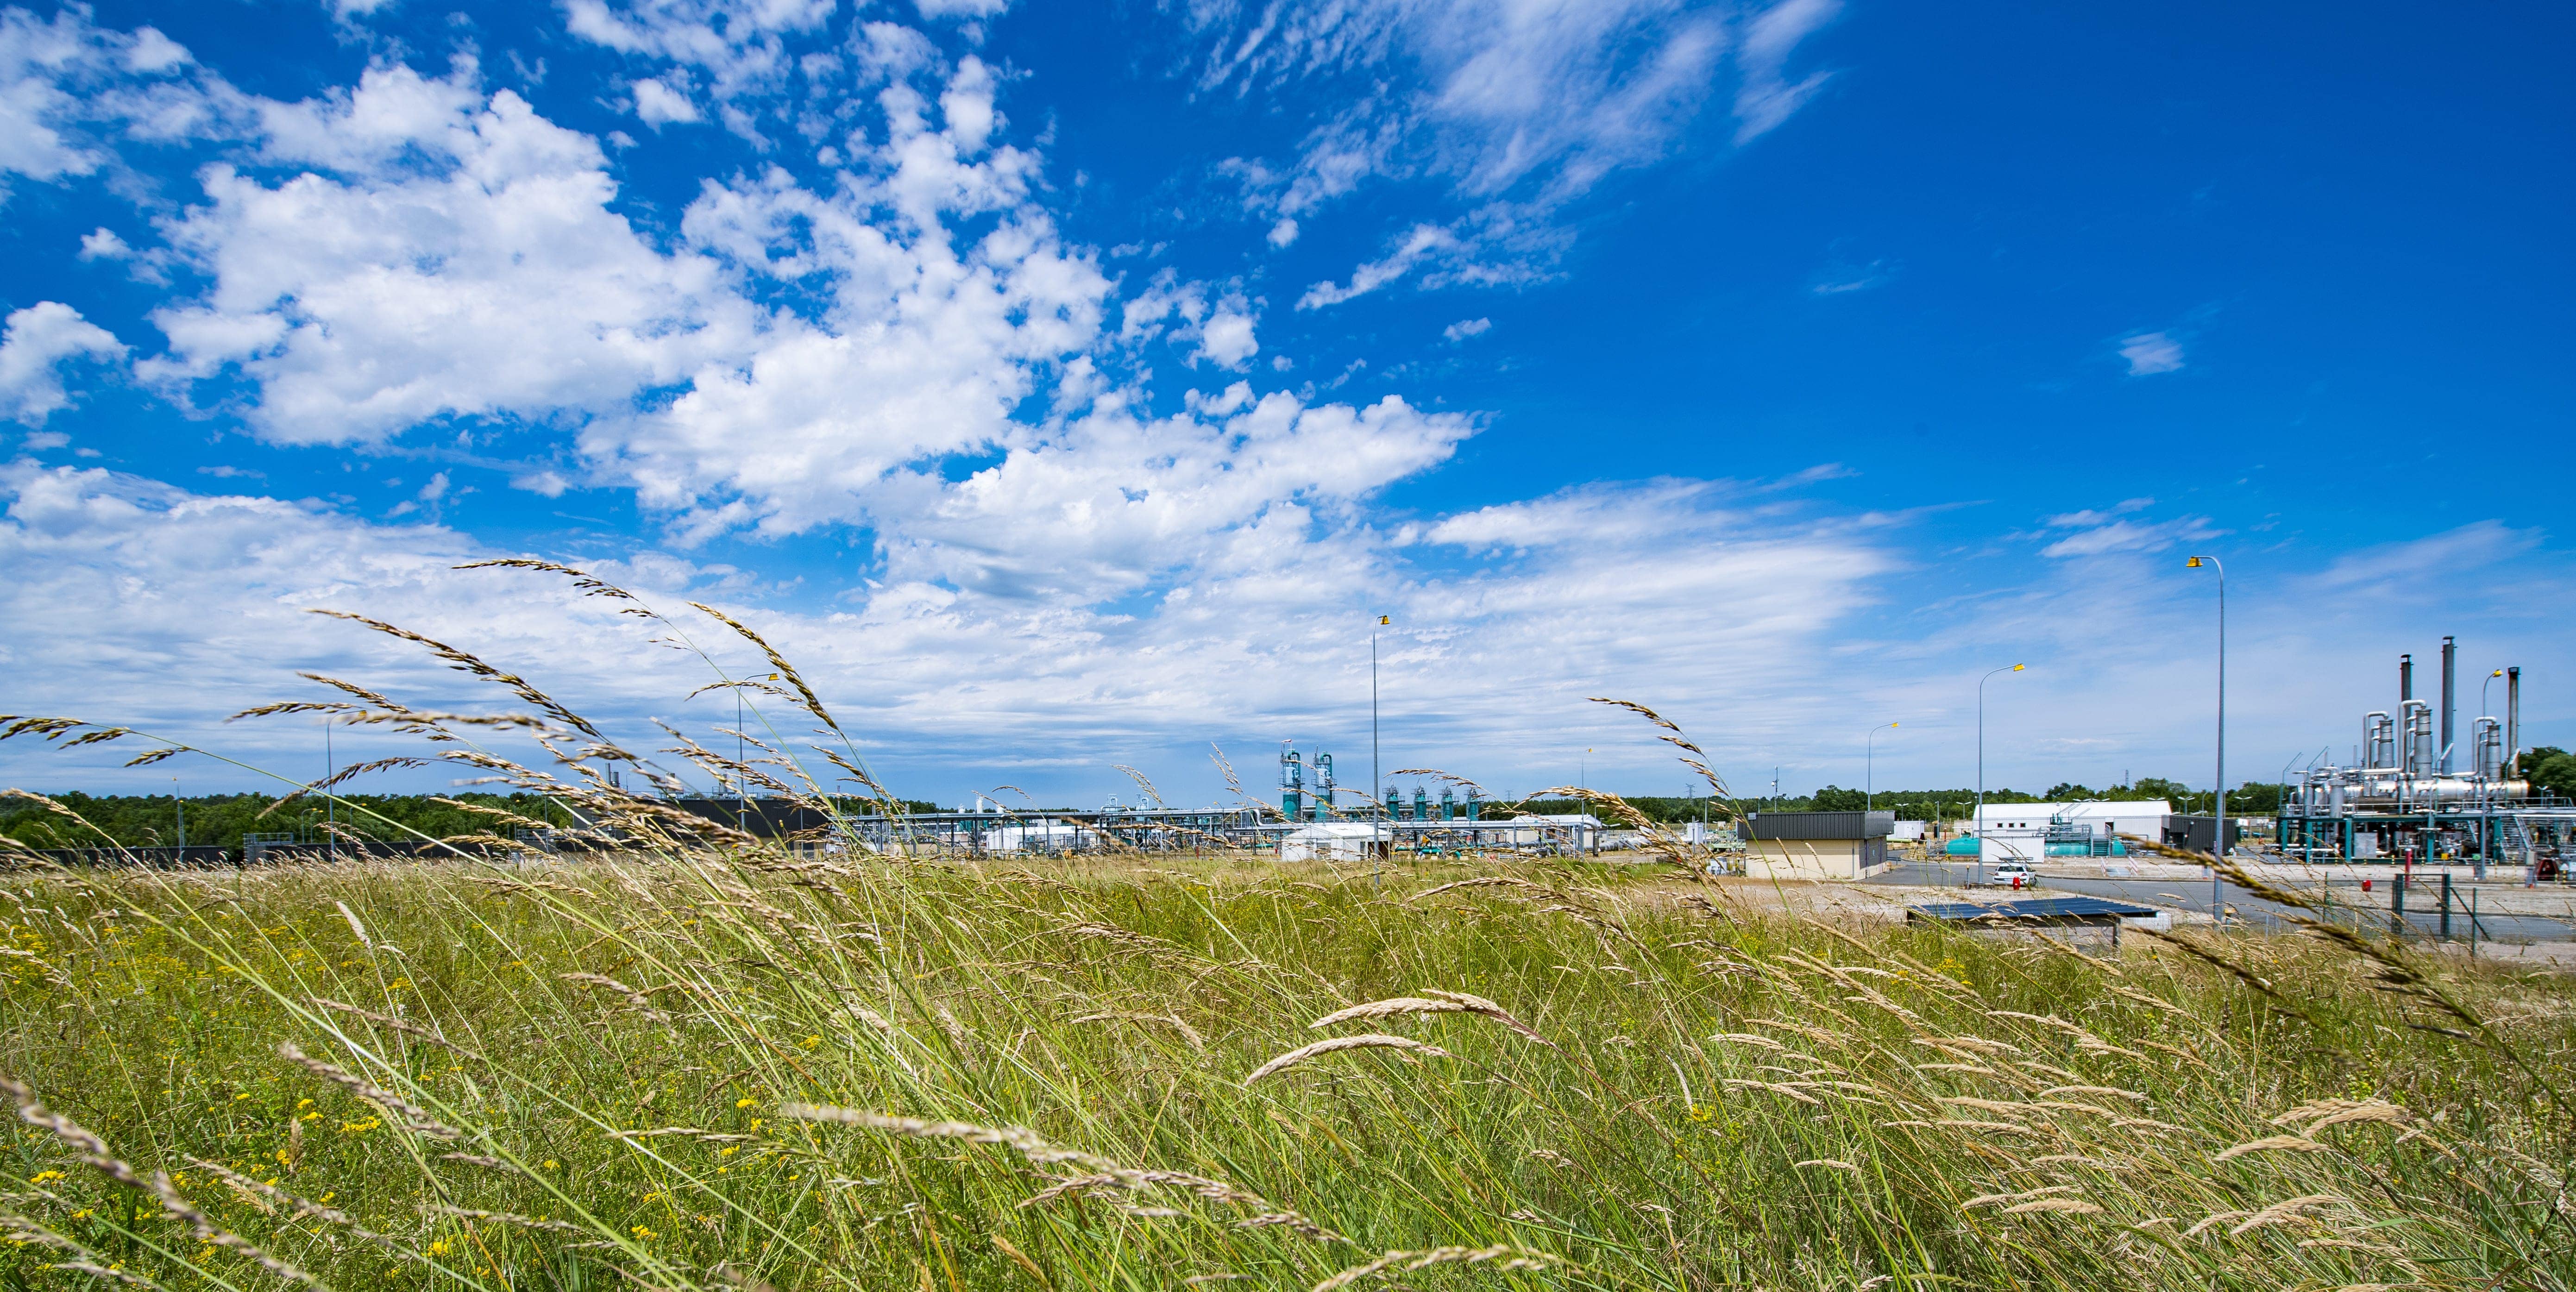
(2450, 656)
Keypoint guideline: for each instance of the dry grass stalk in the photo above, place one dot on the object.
(2285, 1211)
(1100, 1172)
(1188, 1033)
(2067, 1206)
(2335, 1112)
(1513, 1257)
(413, 1116)
(1989, 1199)
(1432, 1001)
(2297, 1143)
(642, 1002)
(1371, 1041)
(1833, 1162)
(387, 1020)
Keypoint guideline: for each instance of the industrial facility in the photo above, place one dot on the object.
(2411, 794)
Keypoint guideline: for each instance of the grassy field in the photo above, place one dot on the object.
(731, 1068)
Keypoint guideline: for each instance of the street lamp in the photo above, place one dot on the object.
(1870, 763)
(2218, 805)
(1377, 778)
(1978, 822)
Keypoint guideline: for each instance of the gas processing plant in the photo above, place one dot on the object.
(2410, 795)
(1303, 800)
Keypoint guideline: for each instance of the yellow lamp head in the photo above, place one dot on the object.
(2019, 667)
(2194, 563)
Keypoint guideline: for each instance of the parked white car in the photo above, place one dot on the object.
(2013, 874)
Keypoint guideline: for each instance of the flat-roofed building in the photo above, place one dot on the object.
(1816, 845)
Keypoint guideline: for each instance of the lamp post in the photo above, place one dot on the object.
(2218, 804)
(1978, 822)
(1377, 777)
(182, 806)
(1870, 766)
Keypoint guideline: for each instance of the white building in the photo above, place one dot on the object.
(1580, 831)
(2023, 831)
(1044, 834)
(1335, 841)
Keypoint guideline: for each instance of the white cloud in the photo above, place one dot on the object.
(69, 91)
(1497, 245)
(736, 42)
(103, 244)
(2100, 533)
(494, 282)
(1520, 106)
(659, 103)
(971, 9)
(1218, 323)
(32, 349)
(1284, 232)
(2150, 353)
(1465, 328)
(1766, 98)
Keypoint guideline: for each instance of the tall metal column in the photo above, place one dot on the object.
(2450, 660)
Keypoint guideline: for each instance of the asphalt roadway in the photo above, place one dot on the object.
(2423, 914)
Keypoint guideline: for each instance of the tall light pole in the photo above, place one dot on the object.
(1870, 766)
(1978, 822)
(1377, 776)
(2218, 805)
(182, 805)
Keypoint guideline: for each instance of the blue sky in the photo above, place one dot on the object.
(1068, 386)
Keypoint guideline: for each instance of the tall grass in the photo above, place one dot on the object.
(730, 1068)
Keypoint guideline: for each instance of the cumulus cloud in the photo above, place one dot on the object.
(2149, 353)
(1465, 328)
(36, 342)
(370, 294)
(662, 102)
(70, 91)
(738, 44)
(1216, 322)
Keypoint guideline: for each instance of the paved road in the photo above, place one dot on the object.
(2193, 895)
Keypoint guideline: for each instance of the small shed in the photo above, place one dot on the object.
(1816, 845)
(1335, 841)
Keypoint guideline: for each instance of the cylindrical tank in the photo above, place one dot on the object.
(1394, 801)
(1448, 803)
(2378, 740)
(1292, 785)
(1323, 806)
(2416, 728)
(1421, 804)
